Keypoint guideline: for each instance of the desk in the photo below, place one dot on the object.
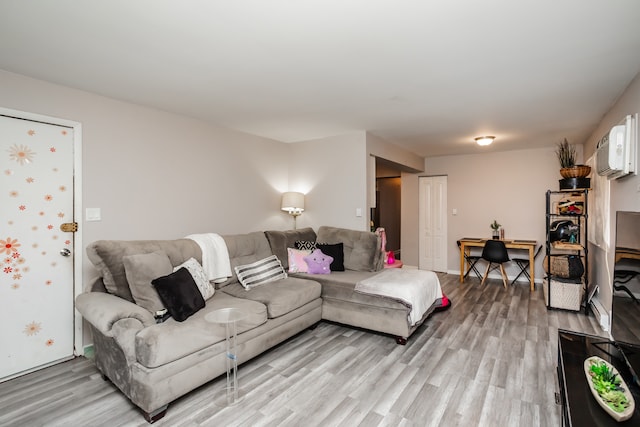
(627, 253)
(467, 243)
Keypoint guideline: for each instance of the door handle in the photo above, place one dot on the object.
(65, 252)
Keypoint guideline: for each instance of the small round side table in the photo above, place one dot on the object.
(229, 318)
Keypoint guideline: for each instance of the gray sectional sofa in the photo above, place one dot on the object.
(154, 363)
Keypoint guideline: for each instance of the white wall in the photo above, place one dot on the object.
(509, 186)
(332, 173)
(624, 192)
(157, 175)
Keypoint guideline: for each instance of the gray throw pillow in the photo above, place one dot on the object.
(140, 270)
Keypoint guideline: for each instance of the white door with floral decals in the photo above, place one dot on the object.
(36, 273)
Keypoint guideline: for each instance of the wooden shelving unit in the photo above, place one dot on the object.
(561, 292)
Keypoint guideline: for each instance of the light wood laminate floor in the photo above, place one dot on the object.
(490, 360)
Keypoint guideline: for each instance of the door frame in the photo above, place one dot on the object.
(77, 210)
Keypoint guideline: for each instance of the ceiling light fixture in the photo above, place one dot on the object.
(485, 140)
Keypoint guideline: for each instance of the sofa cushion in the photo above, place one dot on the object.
(245, 249)
(140, 270)
(281, 296)
(179, 293)
(106, 256)
(362, 249)
(279, 241)
(340, 285)
(165, 342)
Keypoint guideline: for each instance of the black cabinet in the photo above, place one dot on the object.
(566, 282)
(579, 407)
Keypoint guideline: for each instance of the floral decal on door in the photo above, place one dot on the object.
(32, 328)
(13, 261)
(9, 246)
(21, 154)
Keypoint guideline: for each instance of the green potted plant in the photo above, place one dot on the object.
(567, 157)
(496, 229)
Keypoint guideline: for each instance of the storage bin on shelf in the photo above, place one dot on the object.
(566, 294)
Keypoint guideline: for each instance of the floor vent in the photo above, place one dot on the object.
(601, 314)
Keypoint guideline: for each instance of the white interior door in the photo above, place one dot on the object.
(36, 256)
(433, 223)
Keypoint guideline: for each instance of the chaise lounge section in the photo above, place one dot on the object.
(341, 303)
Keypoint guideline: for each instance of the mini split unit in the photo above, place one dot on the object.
(617, 151)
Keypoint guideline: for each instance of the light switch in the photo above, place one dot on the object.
(92, 214)
(358, 212)
(454, 211)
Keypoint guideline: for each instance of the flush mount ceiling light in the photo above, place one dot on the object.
(485, 140)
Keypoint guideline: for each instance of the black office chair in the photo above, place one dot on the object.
(495, 252)
(471, 260)
(523, 263)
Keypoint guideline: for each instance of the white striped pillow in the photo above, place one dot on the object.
(260, 272)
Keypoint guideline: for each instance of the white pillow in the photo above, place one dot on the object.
(199, 276)
(260, 272)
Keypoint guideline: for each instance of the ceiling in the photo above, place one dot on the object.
(426, 75)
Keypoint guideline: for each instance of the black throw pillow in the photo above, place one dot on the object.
(179, 294)
(336, 251)
(305, 245)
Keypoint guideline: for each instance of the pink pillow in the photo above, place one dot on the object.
(297, 264)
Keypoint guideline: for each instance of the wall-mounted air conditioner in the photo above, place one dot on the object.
(616, 154)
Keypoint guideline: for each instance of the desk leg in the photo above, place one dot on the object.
(532, 268)
(462, 266)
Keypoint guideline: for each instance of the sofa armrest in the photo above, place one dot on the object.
(102, 310)
(124, 332)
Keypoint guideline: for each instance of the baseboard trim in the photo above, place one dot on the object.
(494, 275)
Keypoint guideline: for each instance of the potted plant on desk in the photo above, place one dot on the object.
(496, 229)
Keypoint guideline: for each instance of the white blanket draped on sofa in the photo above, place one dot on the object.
(215, 256)
(418, 288)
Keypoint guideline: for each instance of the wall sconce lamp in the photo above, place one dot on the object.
(485, 140)
(293, 204)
